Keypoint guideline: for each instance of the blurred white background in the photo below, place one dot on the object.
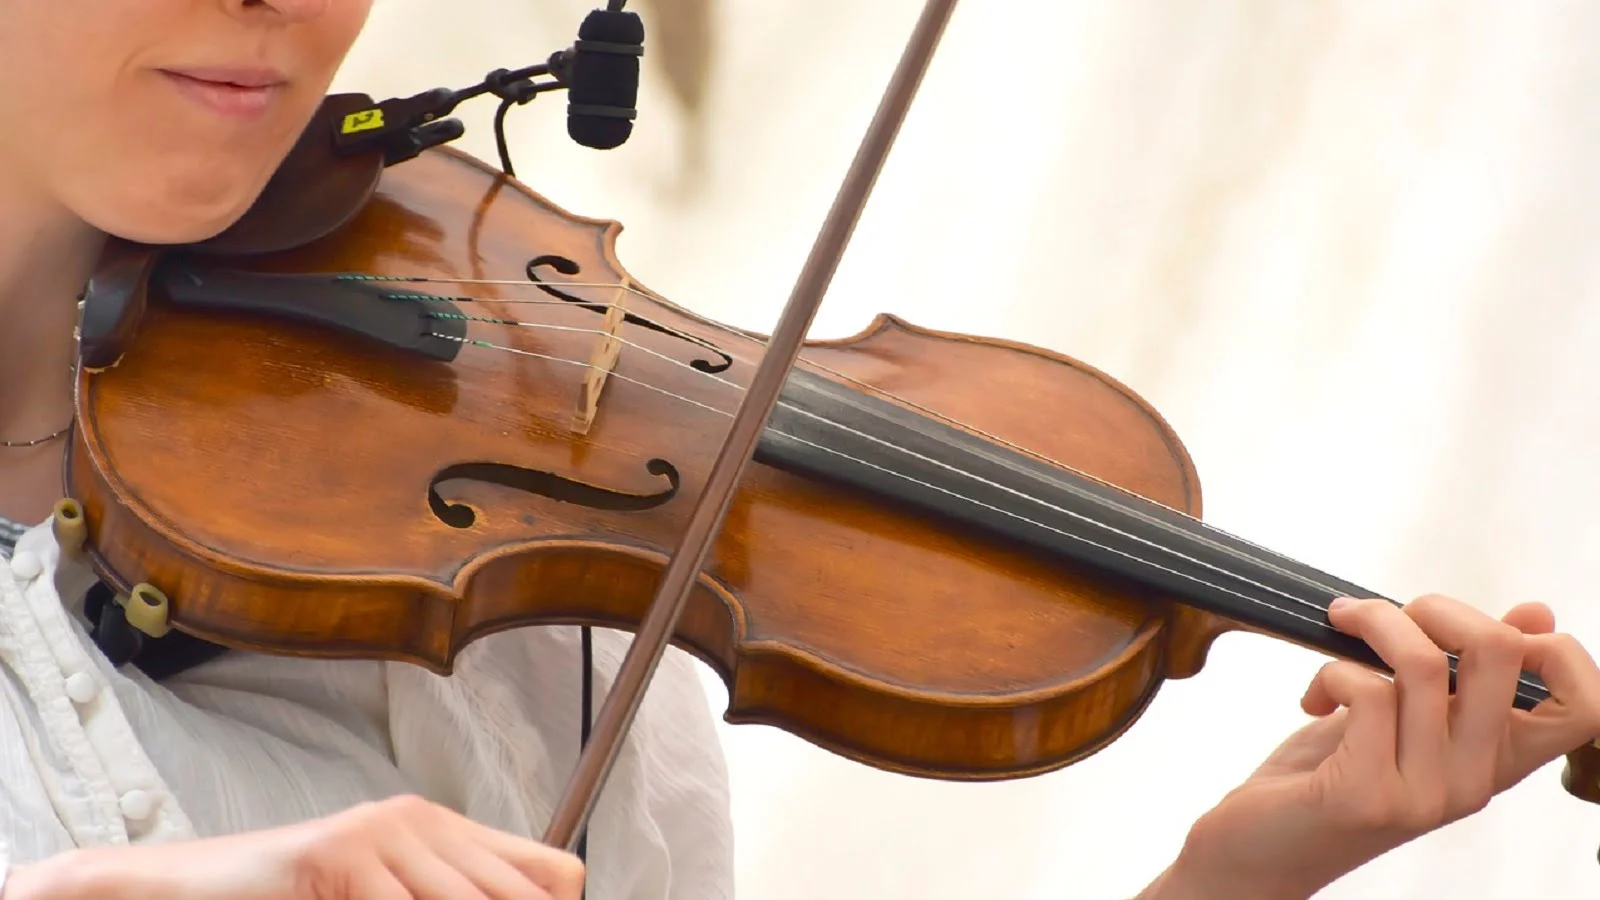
(1344, 247)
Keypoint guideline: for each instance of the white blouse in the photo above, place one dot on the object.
(90, 755)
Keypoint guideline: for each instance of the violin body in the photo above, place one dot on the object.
(332, 495)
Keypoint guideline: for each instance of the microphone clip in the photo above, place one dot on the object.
(402, 126)
(405, 126)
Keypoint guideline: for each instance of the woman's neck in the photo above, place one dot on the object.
(46, 257)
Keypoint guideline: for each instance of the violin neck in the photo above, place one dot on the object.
(829, 431)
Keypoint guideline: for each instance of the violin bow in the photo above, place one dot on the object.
(783, 349)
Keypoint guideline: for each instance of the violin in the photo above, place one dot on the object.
(407, 402)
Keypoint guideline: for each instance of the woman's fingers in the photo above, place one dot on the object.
(418, 865)
(1566, 668)
(1370, 722)
(1490, 659)
(366, 878)
(556, 871)
(1421, 682)
(1531, 618)
(1573, 716)
(436, 854)
(1469, 754)
(492, 872)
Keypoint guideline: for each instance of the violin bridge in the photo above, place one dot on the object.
(601, 362)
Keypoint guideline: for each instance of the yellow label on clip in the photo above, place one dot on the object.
(366, 120)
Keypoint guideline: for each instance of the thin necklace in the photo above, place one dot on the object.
(72, 370)
(37, 441)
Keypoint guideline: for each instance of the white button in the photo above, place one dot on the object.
(80, 687)
(136, 805)
(26, 566)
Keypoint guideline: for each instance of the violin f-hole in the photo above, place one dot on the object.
(569, 268)
(546, 484)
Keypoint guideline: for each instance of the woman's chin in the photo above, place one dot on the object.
(181, 213)
(174, 236)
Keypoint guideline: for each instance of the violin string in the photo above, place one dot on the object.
(1077, 492)
(582, 364)
(962, 497)
(576, 329)
(1536, 693)
(725, 329)
(1197, 529)
(890, 445)
(1318, 623)
(1196, 524)
(547, 301)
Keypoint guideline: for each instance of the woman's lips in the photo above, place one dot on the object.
(242, 93)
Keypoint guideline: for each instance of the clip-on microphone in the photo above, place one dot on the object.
(600, 70)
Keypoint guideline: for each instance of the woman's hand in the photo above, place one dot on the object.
(404, 848)
(1390, 760)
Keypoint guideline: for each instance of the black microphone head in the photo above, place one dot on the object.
(604, 82)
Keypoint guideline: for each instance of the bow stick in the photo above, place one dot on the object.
(783, 349)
